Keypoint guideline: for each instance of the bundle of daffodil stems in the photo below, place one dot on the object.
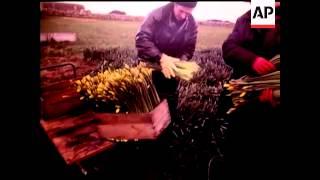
(184, 70)
(241, 89)
(129, 89)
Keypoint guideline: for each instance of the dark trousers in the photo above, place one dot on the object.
(167, 89)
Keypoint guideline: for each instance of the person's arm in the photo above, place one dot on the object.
(146, 48)
(233, 47)
(190, 47)
(237, 55)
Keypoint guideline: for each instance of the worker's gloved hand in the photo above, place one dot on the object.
(266, 96)
(167, 65)
(262, 66)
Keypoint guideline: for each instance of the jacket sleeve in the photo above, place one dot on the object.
(234, 51)
(146, 48)
(190, 46)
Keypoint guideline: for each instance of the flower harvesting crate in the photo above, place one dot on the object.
(62, 99)
(79, 133)
(134, 126)
(78, 137)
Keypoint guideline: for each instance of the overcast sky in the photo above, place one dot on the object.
(229, 10)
